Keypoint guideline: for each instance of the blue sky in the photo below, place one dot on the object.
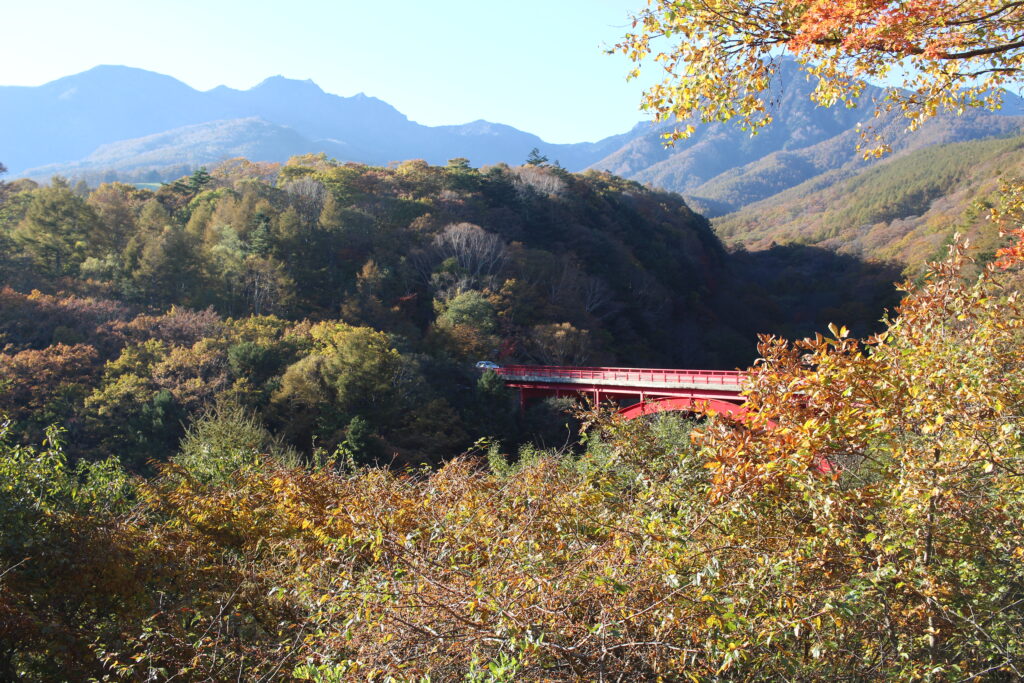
(533, 64)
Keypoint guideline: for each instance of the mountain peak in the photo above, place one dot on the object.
(115, 75)
(116, 69)
(282, 84)
(484, 127)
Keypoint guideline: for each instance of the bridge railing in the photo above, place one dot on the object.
(599, 374)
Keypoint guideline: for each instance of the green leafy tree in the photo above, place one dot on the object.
(460, 176)
(168, 268)
(495, 408)
(360, 446)
(352, 371)
(223, 441)
(59, 231)
(154, 217)
(469, 308)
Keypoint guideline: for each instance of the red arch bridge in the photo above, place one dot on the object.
(641, 390)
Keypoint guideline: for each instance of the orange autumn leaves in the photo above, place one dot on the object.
(935, 29)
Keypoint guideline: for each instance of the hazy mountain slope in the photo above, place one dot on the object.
(67, 119)
(199, 144)
(716, 148)
(904, 208)
(778, 171)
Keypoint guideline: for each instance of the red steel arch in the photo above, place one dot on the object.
(687, 405)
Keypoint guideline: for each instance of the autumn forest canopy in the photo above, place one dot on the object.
(244, 436)
(322, 296)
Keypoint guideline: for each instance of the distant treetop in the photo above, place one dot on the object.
(535, 158)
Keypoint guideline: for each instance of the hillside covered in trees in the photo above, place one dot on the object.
(866, 522)
(337, 305)
(905, 209)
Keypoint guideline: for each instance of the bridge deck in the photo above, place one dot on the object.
(641, 378)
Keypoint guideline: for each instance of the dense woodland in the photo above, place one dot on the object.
(245, 439)
(344, 304)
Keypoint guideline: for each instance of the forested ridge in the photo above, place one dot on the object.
(905, 209)
(340, 303)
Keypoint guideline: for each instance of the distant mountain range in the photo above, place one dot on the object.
(119, 120)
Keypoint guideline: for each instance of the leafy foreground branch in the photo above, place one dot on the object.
(873, 529)
(719, 59)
